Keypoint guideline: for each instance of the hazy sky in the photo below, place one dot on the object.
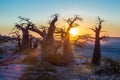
(39, 11)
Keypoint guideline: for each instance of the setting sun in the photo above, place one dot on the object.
(74, 31)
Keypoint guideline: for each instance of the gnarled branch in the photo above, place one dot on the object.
(52, 26)
(71, 21)
(104, 37)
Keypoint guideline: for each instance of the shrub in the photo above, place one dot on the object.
(27, 51)
(43, 71)
(110, 66)
(30, 60)
(58, 60)
(31, 56)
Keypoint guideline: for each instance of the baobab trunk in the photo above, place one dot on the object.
(47, 50)
(25, 34)
(97, 52)
(67, 49)
(19, 43)
(25, 39)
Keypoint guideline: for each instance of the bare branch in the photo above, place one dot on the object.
(19, 27)
(92, 37)
(29, 25)
(52, 26)
(93, 29)
(85, 38)
(24, 19)
(100, 22)
(37, 31)
(76, 18)
(71, 22)
(104, 38)
(16, 33)
(79, 18)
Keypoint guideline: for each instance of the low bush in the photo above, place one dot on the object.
(32, 56)
(110, 66)
(58, 60)
(43, 71)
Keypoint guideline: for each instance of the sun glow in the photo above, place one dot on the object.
(74, 31)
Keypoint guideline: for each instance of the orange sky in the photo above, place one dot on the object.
(109, 28)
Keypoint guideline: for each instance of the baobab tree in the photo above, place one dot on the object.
(48, 42)
(24, 27)
(97, 52)
(65, 43)
(67, 49)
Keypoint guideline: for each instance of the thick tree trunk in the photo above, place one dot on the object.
(48, 43)
(97, 49)
(67, 49)
(25, 39)
(19, 43)
(47, 50)
(97, 52)
(30, 42)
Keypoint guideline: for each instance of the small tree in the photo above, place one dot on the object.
(25, 34)
(97, 52)
(18, 39)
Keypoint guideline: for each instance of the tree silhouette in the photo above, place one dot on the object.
(65, 43)
(67, 49)
(48, 42)
(97, 52)
(24, 27)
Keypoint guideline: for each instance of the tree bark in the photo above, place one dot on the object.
(25, 39)
(97, 52)
(67, 49)
(47, 50)
(19, 43)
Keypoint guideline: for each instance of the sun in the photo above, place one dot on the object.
(74, 31)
